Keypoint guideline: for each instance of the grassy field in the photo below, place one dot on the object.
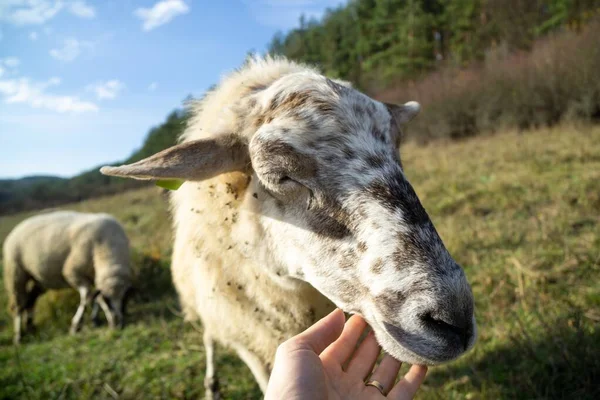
(520, 212)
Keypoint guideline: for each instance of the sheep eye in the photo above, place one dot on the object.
(286, 188)
(286, 183)
(311, 198)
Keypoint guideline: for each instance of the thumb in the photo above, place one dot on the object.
(323, 333)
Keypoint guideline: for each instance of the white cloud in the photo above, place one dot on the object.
(37, 12)
(34, 94)
(29, 12)
(161, 13)
(8, 65)
(33, 35)
(10, 62)
(153, 86)
(82, 10)
(106, 90)
(70, 50)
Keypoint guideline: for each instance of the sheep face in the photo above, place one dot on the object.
(340, 214)
(329, 196)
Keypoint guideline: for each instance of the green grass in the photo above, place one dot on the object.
(520, 212)
(156, 356)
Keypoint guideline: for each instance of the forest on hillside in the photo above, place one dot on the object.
(475, 66)
(373, 43)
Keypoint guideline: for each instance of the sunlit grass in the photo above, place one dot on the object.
(520, 212)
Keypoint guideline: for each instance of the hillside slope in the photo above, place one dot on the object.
(32, 193)
(520, 212)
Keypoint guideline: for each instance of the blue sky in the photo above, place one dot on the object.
(82, 82)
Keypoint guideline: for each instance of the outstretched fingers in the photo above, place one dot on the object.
(342, 349)
(323, 333)
(408, 386)
(386, 372)
(364, 358)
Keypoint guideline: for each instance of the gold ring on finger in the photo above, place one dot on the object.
(377, 385)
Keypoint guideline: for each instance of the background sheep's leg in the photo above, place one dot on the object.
(211, 383)
(17, 320)
(32, 296)
(78, 318)
(17, 287)
(94, 314)
(27, 318)
(257, 367)
(107, 311)
(75, 272)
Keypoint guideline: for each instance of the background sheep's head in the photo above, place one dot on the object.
(335, 209)
(113, 298)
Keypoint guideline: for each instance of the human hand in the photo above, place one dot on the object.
(309, 365)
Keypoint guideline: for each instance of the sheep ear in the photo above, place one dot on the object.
(403, 114)
(191, 161)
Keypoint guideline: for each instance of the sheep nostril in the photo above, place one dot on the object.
(443, 327)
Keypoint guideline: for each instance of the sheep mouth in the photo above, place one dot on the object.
(411, 346)
(403, 338)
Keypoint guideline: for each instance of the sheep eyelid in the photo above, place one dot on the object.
(311, 198)
(285, 179)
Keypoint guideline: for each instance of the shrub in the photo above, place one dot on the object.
(558, 80)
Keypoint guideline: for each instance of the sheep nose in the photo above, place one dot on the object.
(457, 326)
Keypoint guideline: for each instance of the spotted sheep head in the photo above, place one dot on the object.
(337, 210)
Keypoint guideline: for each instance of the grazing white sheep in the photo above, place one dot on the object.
(295, 200)
(67, 249)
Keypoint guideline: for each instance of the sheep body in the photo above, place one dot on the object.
(216, 270)
(220, 283)
(65, 249)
